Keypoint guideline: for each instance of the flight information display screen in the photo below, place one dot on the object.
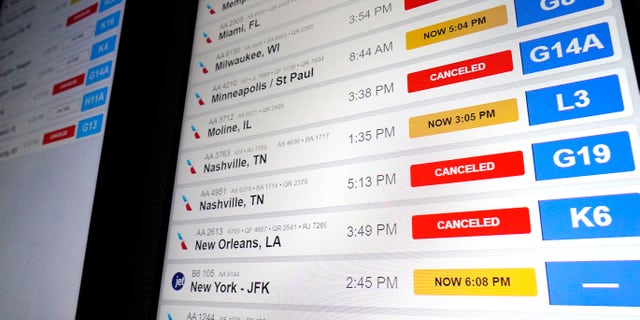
(57, 64)
(407, 159)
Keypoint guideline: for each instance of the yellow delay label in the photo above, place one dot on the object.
(458, 27)
(475, 282)
(464, 118)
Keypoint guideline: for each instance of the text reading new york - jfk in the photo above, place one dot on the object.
(231, 287)
(179, 280)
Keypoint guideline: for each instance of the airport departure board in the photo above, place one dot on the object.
(407, 159)
(57, 68)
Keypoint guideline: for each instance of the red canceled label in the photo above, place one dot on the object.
(82, 14)
(460, 71)
(468, 169)
(471, 224)
(59, 134)
(410, 4)
(68, 84)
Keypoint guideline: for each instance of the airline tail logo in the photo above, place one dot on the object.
(178, 281)
(195, 132)
(183, 244)
(206, 37)
(191, 168)
(200, 101)
(210, 9)
(202, 66)
(186, 203)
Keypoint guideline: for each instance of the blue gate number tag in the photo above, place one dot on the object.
(594, 283)
(610, 216)
(585, 156)
(566, 48)
(530, 11)
(575, 100)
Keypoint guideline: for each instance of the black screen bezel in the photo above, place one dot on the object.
(125, 247)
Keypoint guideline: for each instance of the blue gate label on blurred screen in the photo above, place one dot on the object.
(103, 47)
(99, 72)
(108, 4)
(94, 99)
(89, 126)
(107, 23)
